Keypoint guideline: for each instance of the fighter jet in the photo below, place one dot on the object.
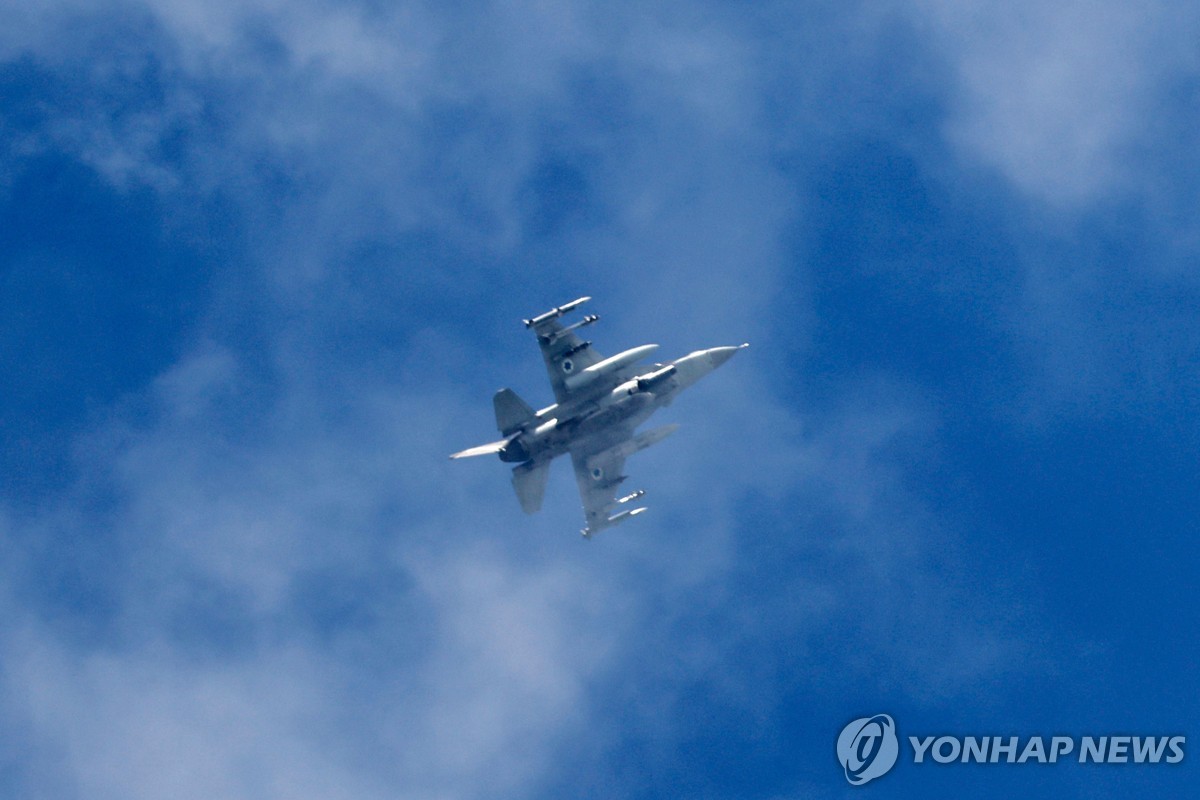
(600, 403)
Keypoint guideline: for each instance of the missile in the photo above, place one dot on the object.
(632, 496)
(615, 519)
(551, 338)
(609, 366)
(554, 313)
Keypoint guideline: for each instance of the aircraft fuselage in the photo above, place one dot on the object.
(619, 396)
(601, 402)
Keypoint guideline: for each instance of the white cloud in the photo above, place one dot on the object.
(465, 679)
(145, 725)
(471, 658)
(1059, 97)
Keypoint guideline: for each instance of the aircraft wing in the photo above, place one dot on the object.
(598, 473)
(563, 351)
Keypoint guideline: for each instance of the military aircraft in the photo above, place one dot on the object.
(600, 403)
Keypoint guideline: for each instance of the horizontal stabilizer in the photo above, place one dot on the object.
(482, 450)
(529, 481)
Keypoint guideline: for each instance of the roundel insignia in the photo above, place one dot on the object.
(568, 365)
(597, 473)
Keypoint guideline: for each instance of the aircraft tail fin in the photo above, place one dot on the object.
(529, 480)
(511, 411)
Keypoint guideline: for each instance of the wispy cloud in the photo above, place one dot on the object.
(311, 601)
(1057, 97)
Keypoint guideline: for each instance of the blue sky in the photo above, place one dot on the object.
(262, 264)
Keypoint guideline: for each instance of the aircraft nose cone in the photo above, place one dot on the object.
(719, 355)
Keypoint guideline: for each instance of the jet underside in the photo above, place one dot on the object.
(600, 402)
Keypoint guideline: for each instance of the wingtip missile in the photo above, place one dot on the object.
(615, 519)
(554, 313)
